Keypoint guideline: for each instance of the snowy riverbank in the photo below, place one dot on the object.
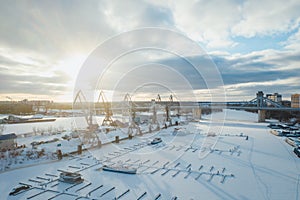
(189, 165)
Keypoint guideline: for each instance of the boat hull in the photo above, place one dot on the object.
(71, 181)
(30, 121)
(20, 190)
(156, 141)
(69, 177)
(124, 171)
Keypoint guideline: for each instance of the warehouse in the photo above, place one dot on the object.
(8, 141)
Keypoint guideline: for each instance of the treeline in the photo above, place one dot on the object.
(16, 109)
(207, 111)
(283, 116)
(61, 106)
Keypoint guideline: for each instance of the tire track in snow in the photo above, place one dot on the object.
(297, 189)
(296, 164)
(266, 194)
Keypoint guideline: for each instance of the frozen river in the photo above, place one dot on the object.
(187, 165)
(67, 123)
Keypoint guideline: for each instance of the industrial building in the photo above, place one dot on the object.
(295, 100)
(8, 141)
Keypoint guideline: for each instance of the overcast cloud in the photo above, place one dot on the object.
(254, 44)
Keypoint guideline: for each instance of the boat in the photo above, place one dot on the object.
(19, 190)
(120, 169)
(70, 177)
(297, 151)
(18, 120)
(292, 141)
(156, 141)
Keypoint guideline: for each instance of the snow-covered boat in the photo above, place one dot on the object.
(11, 119)
(20, 189)
(120, 169)
(70, 177)
(156, 141)
(297, 151)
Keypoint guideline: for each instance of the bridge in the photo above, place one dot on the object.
(260, 103)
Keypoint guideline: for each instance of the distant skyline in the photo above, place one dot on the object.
(254, 44)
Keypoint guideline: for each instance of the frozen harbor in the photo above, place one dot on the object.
(60, 124)
(239, 159)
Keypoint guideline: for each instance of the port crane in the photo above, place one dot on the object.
(90, 136)
(168, 111)
(133, 127)
(107, 121)
(168, 105)
(154, 125)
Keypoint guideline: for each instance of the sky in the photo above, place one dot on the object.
(252, 45)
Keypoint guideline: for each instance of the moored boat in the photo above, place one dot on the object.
(120, 169)
(20, 189)
(19, 120)
(156, 141)
(70, 177)
(297, 151)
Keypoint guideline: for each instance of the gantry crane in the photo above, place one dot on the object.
(154, 125)
(91, 135)
(168, 105)
(107, 121)
(130, 108)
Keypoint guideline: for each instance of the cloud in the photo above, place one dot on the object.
(293, 42)
(128, 15)
(38, 39)
(267, 70)
(31, 84)
(216, 24)
(207, 21)
(43, 43)
(53, 28)
(29, 75)
(64, 26)
(267, 17)
(149, 56)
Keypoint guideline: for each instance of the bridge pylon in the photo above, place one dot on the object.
(261, 115)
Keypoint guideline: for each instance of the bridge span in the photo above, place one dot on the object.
(259, 103)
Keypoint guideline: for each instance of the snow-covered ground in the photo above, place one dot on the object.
(187, 164)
